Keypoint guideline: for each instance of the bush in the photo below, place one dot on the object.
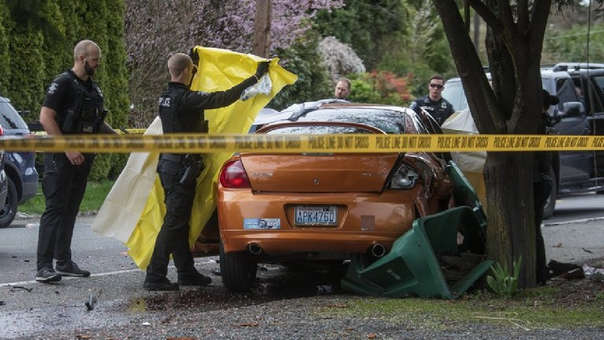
(36, 44)
(380, 87)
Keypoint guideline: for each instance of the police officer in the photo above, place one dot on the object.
(182, 110)
(542, 185)
(73, 105)
(437, 106)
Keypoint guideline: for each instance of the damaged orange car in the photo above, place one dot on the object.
(276, 208)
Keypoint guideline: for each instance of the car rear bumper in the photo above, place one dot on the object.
(364, 219)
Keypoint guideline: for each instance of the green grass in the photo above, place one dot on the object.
(537, 308)
(93, 198)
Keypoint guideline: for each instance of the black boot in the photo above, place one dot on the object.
(159, 284)
(193, 278)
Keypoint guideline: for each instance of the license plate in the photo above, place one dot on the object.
(327, 215)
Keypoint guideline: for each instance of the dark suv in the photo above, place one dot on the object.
(22, 177)
(573, 171)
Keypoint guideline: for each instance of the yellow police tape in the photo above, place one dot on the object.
(262, 143)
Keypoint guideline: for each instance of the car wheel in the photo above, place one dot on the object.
(238, 270)
(9, 209)
(550, 202)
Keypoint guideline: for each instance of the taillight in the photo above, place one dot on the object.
(404, 178)
(1, 130)
(233, 175)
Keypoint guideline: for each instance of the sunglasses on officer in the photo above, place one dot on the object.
(436, 86)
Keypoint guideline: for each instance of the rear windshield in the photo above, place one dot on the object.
(9, 118)
(391, 122)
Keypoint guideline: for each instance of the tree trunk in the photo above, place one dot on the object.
(262, 28)
(511, 228)
(512, 107)
(477, 33)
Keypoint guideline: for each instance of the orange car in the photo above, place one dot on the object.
(317, 206)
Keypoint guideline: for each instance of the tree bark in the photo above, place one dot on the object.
(510, 211)
(262, 28)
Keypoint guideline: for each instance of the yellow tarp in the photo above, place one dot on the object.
(217, 70)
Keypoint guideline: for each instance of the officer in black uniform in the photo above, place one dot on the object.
(182, 110)
(542, 185)
(437, 106)
(73, 105)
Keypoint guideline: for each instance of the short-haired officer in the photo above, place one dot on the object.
(73, 105)
(182, 110)
(342, 90)
(437, 106)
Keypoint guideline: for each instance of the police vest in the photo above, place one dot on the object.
(85, 113)
(175, 118)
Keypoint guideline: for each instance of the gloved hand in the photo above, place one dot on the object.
(261, 69)
(194, 56)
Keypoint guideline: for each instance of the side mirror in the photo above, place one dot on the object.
(572, 109)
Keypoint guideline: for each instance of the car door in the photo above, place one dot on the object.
(574, 166)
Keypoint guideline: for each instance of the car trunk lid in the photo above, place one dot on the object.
(318, 172)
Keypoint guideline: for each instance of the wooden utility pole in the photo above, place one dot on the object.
(262, 28)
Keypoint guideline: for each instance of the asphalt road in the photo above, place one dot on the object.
(577, 208)
(29, 309)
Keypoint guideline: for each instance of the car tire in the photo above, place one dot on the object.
(238, 270)
(550, 203)
(9, 209)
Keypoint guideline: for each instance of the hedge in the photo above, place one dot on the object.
(36, 44)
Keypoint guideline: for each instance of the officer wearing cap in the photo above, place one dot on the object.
(182, 111)
(73, 105)
(437, 106)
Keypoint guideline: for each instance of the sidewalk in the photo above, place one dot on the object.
(574, 242)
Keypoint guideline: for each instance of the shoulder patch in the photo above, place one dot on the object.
(165, 101)
(53, 87)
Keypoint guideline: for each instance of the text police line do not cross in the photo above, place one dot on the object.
(261, 143)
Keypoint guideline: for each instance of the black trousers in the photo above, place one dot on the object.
(173, 237)
(541, 189)
(63, 185)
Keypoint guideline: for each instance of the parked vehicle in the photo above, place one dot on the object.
(3, 178)
(281, 208)
(573, 171)
(22, 177)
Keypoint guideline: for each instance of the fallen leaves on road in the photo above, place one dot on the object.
(248, 324)
(559, 245)
(371, 336)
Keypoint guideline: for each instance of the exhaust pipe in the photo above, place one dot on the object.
(377, 250)
(254, 249)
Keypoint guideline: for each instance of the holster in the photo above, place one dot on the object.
(193, 166)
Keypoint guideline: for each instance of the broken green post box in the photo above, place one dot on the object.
(412, 267)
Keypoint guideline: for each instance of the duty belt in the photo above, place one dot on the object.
(172, 157)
